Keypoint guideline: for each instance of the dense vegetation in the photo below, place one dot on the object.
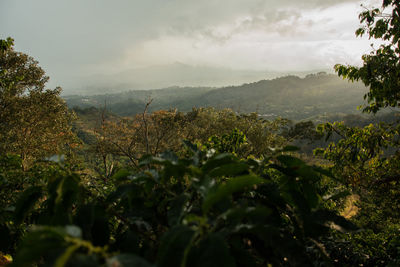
(206, 187)
(289, 97)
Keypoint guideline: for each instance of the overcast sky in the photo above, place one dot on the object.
(83, 37)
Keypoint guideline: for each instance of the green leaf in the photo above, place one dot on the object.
(228, 188)
(173, 170)
(94, 224)
(40, 242)
(176, 211)
(290, 161)
(340, 223)
(218, 160)
(172, 246)
(337, 195)
(120, 175)
(313, 199)
(126, 191)
(64, 193)
(26, 202)
(211, 252)
(325, 172)
(63, 259)
(258, 214)
(229, 170)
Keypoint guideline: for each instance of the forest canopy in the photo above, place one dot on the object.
(34, 122)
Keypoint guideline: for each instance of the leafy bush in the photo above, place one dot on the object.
(191, 211)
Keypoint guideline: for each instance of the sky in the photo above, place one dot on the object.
(82, 38)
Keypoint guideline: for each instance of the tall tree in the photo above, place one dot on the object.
(34, 121)
(381, 68)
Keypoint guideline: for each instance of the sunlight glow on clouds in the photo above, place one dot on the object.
(292, 40)
(77, 38)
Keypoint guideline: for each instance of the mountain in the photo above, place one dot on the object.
(177, 74)
(290, 97)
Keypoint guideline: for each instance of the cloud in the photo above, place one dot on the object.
(287, 39)
(72, 38)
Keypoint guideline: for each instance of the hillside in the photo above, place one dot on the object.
(164, 76)
(290, 97)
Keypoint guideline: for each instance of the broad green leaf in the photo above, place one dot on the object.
(218, 160)
(228, 188)
(176, 210)
(228, 170)
(172, 246)
(323, 171)
(126, 191)
(41, 241)
(63, 196)
(66, 190)
(258, 214)
(173, 170)
(63, 259)
(337, 195)
(311, 195)
(26, 202)
(121, 175)
(211, 252)
(94, 224)
(340, 223)
(290, 161)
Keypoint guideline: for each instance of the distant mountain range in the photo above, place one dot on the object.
(290, 97)
(162, 76)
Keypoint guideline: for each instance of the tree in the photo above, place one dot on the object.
(34, 121)
(133, 137)
(368, 158)
(152, 133)
(381, 68)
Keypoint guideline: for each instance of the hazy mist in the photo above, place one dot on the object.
(129, 44)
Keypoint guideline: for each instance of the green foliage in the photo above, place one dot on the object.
(237, 198)
(227, 143)
(126, 140)
(182, 212)
(289, 97)
(359, 151)
(303, 130)
(367, 160)
(367, 247)
(381, 68)
(34, 122)
(6, 44)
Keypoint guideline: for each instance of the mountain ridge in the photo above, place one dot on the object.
(170, 75)
(289, 96)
